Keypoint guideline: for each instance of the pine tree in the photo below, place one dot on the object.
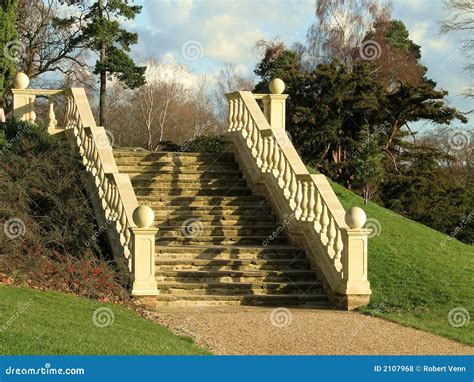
(104, 35)
(7, 44)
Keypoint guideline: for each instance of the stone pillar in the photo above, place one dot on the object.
(274, 104)
(354, 259)
(23, 103)
(143, 252)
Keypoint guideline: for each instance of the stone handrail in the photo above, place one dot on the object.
(115, 190)
(308, 197)
(24, 100)
(133, 236)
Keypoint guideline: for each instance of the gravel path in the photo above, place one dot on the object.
(249, 330)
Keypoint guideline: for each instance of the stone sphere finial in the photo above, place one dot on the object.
(143, 216)
(355, 217)
(276, 86)
(21, 81)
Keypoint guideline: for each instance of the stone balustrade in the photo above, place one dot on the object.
(128, 225)
(335, 240)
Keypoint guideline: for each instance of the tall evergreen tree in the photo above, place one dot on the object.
(104, 35)
(7, 43)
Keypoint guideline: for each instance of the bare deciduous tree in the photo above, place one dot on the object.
(229, 79)
(47, 45)
(341, 26)
(460, 18)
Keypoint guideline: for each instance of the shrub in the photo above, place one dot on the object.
(205, 144)
(47, 220)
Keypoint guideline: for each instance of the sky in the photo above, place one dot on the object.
(205, 34)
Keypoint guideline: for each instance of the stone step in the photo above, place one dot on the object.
(196, 228)
(232, 288)
(163, 264)
(173, 176)
(229, 275)
(317, 300)
(209, 191)
(217, 240)
(173, 156)
(229, 252)
(162, 170)
(173, 161)
(189, 168)
(229, 211)
(214, 220)
(188, 183)
(205, 201)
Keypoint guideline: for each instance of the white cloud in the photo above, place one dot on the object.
(418, 31)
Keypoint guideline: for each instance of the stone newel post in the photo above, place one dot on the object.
(354, 260)
(274, 104)
(144, 252)
(23, 101)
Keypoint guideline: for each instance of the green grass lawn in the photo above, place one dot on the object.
(36, 322)
(416, 280)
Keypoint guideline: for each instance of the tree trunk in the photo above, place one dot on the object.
(103, 75)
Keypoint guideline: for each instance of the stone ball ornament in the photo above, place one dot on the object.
(21, 81)
(143, 216)
(276, 86)
(355, 217)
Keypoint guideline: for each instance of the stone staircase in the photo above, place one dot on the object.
(213, 242)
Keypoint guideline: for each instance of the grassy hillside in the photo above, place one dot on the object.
(417, 276)
(36, 322)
